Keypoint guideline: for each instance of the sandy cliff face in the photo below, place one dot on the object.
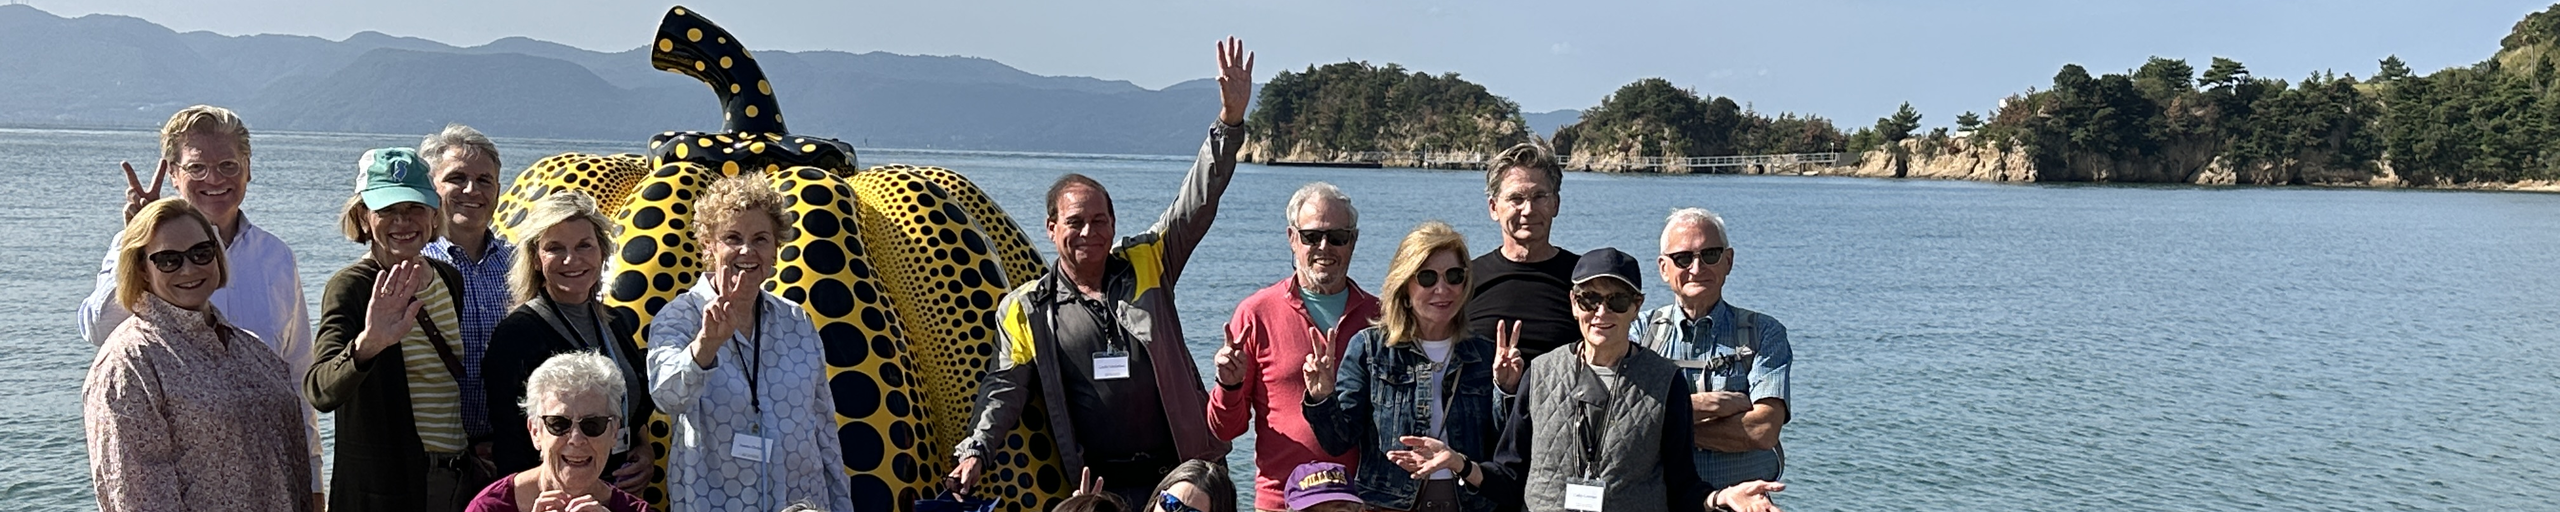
(2184, 162)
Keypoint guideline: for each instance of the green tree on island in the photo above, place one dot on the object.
(1653, 118)
(1325, 111)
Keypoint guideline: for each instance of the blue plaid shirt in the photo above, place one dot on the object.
(1672, 332)
(484, 301)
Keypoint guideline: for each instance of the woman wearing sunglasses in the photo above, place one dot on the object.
(184, 410)
(573, 407)
(555, 281)
(388, 352)
(1415, 394)
(1193, 486)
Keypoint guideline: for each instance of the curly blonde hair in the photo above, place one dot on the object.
(738, 195)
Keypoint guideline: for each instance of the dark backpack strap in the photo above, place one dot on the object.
(444, 350)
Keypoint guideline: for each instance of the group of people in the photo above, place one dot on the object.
(471, 371)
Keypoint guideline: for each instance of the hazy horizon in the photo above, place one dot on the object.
(1850, 61)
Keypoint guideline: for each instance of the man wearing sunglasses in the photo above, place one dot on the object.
(1523, 281)
(1735, 358)
(1274, 330)
(205, 149)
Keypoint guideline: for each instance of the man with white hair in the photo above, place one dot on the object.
(464, 165)
(1275, 329)
(1735, 358)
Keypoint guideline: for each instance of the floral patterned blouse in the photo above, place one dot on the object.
(185, 411)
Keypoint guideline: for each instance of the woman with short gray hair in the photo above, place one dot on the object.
(554, 284)
(574, 405)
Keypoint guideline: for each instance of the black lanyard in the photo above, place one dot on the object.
(1108, 323)
(755, 398)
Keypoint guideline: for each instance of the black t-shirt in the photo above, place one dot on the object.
(1120, 422)
(1533, 293)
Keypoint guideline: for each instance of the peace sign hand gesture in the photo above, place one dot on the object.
(134, 195)
(1230, 361)
(1507, 365)
(1322, 366)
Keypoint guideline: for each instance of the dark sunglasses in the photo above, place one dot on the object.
(200, 255)
(1618, 302)
(1167, 503)
(1337, 237)
(1430, 278)
(1709, 256)
(592, 426)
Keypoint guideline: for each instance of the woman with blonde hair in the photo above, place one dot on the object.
(743, 371)
(1415, 393)
(184, 410)
(387, 352)
(555, 281)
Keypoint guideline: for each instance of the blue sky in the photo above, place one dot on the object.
(1848, 60)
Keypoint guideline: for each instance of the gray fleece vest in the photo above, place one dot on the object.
(1631, 442)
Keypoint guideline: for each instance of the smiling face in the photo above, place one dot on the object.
(745, 245)
(212, 174)
(569, 256)
(1699, 279)
(468, 187)
(401, 231)
(1438, 304)
(1083, 229)
(573, 456)
(1323, 267)
(1599, 324)
(191, 285)
(1524, 206)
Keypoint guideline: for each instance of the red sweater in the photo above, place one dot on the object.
(1272, 327)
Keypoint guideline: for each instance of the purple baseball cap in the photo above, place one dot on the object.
(1315, 483)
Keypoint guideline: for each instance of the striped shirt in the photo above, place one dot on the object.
(485, 300)
(435, 398)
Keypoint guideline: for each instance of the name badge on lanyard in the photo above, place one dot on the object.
(1583, 495)
(1110, 365)
(750, 447)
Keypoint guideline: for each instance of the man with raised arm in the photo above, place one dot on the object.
(1097, 339)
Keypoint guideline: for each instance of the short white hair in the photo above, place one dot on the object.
(1320, 190)
(573, 374)
(1695, 216)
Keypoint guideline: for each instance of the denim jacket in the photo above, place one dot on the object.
(1376, 400)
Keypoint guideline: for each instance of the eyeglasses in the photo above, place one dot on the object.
(1168, 503)
(199, 171)
(1709, 255)
(1617, 302)
(1430, 278)
(200, 255)
(1337, 237)
(592, 426)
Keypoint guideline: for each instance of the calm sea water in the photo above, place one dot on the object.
(1960, 345)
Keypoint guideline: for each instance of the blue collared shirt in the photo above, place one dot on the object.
(1672, 332)
(483, 301)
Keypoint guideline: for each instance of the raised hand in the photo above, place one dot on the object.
(134, 195)
(720, 317)
(1088, 484)
(1230, 361)
(392, 311)
(1235, 81)
(1423, 456)
(1507, 365)
(1321, 366)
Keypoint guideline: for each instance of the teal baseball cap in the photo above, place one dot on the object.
(393, 176)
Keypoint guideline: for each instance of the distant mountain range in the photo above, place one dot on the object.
(118, 71)
(1544, 124)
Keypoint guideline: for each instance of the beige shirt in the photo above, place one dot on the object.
(187, 412)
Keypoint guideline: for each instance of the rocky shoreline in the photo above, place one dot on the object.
(1960, 159)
